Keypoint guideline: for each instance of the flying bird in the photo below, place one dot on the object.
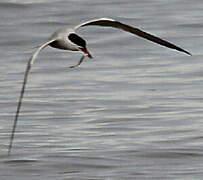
(68, 39)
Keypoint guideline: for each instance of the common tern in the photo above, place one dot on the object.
(68, 39)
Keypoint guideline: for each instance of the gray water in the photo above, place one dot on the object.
(135, 111)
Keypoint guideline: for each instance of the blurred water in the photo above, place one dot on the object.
(133, 112)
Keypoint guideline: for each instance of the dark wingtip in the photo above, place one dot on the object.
(190, 54)
(187, 53)
(182, 50)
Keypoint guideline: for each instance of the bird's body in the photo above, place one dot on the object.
(62, 41)
(68, 39)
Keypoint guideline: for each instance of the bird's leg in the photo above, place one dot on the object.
(81, 60)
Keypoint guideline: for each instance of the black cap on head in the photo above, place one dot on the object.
(77, 40)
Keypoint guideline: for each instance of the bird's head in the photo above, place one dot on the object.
(80, 43)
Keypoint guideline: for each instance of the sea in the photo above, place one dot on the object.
(133, 112)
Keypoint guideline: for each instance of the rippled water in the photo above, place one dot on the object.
(133, 112)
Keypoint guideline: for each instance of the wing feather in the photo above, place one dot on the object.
(28, 67)
(116, 24)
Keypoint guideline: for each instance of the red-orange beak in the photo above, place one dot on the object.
(86, 52)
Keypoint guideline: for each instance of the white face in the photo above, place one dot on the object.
(70, 45)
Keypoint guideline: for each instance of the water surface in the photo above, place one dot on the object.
(132, 112)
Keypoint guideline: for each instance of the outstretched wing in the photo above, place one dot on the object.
(29, 64)
(116, 24)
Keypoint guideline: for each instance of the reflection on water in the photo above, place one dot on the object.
(132, 112)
